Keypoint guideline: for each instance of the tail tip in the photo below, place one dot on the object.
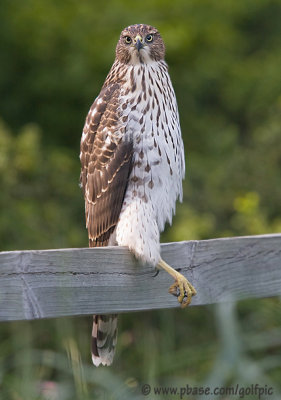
(97, 361)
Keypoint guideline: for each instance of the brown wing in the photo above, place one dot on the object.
(106, 160)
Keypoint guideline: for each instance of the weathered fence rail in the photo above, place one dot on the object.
(55, 283)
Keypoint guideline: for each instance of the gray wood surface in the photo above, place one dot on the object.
(55, 283)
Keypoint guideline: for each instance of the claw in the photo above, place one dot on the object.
(183, 290)
(156, 273)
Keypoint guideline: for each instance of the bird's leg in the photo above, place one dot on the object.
(182, 287)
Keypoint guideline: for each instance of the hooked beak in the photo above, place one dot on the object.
(138, 42)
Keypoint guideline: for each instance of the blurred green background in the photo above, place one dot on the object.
(225, 63)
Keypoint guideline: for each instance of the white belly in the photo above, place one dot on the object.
(155, 182)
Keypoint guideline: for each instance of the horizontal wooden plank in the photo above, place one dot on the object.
(54, 283)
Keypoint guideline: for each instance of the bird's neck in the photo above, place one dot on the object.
(131, 74)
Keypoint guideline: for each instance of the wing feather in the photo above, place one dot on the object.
(106, 162)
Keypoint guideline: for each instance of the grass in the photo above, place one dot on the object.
(215, 346)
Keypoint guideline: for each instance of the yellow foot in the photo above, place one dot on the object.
(182, 288)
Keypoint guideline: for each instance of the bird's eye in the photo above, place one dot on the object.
(128, 40)
(149, 38)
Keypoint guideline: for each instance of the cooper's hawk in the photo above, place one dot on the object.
(132, 159)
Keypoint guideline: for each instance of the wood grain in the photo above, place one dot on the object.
(55, 283)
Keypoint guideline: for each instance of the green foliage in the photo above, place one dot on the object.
(225, 62)
(38, 183)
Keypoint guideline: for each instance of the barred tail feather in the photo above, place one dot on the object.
(104, 338)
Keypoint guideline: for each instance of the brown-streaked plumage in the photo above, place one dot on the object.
(132, 164)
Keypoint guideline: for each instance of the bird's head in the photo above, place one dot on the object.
(140, 44)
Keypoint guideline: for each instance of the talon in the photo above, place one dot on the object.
(174, 289)
(181, 288)
(156, 273)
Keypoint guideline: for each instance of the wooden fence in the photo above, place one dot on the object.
(56, 283)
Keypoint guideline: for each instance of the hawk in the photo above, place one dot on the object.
(132, 164)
